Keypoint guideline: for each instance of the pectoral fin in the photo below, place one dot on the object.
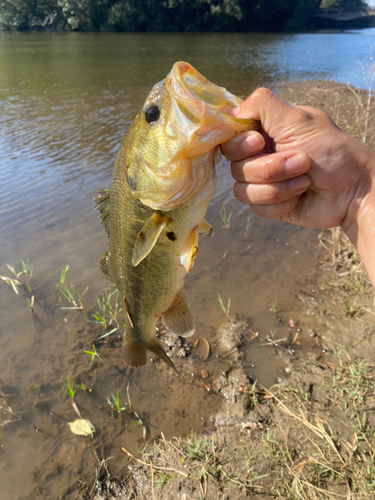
(190, 250)
(147, 237)
(205, 228)
(103, 205)
(179, 319)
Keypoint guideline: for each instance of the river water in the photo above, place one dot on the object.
(65, 103)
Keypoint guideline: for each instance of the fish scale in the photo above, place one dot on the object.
(163, 180)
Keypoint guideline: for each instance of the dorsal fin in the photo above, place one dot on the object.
(103, 204)
(147, 237)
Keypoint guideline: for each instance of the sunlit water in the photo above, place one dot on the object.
(65, 103)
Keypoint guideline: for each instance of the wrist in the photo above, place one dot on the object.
(359, 222)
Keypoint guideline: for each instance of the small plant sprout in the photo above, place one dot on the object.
(108, 312)
(225, 218)
(226, 310)
(83, 387)
(31, 302)
(140, 422)
(26, 270)
(248, 224)
(93, 354)
(14, 283)
(225, 254)
(273, 306)
(115, 402)
(69, 388)
(70, 293)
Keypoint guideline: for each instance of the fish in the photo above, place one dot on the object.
(163, 180)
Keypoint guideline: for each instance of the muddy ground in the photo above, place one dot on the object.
(302, 317)
(311, 435)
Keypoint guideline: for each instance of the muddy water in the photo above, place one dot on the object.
(65, 102)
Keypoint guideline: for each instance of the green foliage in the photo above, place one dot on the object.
(164, 15)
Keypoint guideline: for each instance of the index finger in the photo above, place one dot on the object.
(243, 145)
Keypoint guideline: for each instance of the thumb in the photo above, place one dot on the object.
(272, 112)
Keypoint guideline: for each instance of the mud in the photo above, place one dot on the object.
(334, 314)
(208, 422)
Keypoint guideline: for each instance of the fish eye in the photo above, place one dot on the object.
(152, 114)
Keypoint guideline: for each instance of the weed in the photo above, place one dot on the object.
(162, 478)
(70, 293)
(31, 302)
(226, 310)
(115, 403)
(93, 354)
(14, 283)
(109, 310)
(225, 218)
(69, 388)
(140, 422)
(26, 270)
(350, 308)
(273, 306)
(225, 254)
(248, 224)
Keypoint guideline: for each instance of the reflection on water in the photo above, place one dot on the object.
(65, 102)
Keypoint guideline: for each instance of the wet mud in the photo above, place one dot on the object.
(292, 309)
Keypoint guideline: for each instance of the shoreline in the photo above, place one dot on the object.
(302, 438)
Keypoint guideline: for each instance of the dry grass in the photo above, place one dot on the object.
(342, 260)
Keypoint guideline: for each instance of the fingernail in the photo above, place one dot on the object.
(253, 142)
(235, 111)
(296, 164)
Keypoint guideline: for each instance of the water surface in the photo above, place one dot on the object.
(65, 102)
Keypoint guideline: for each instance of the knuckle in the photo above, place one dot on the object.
(262, 94)
(266, 170)
(274, 194)
(239, 191)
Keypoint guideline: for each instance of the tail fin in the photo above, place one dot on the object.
(135, 353)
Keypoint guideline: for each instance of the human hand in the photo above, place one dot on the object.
(300, 167)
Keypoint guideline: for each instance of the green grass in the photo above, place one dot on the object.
(22, 271)
(69, 388)
(70, 293)
(272, 306)
(94, 355)
(225, 218)
(114, 402)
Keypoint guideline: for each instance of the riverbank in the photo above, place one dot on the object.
(311, 436)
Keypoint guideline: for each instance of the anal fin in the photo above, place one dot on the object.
(179, 319)
(147, 237)
(135, 353)
(157, 349)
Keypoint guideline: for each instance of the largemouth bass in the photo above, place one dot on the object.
(163, 180)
